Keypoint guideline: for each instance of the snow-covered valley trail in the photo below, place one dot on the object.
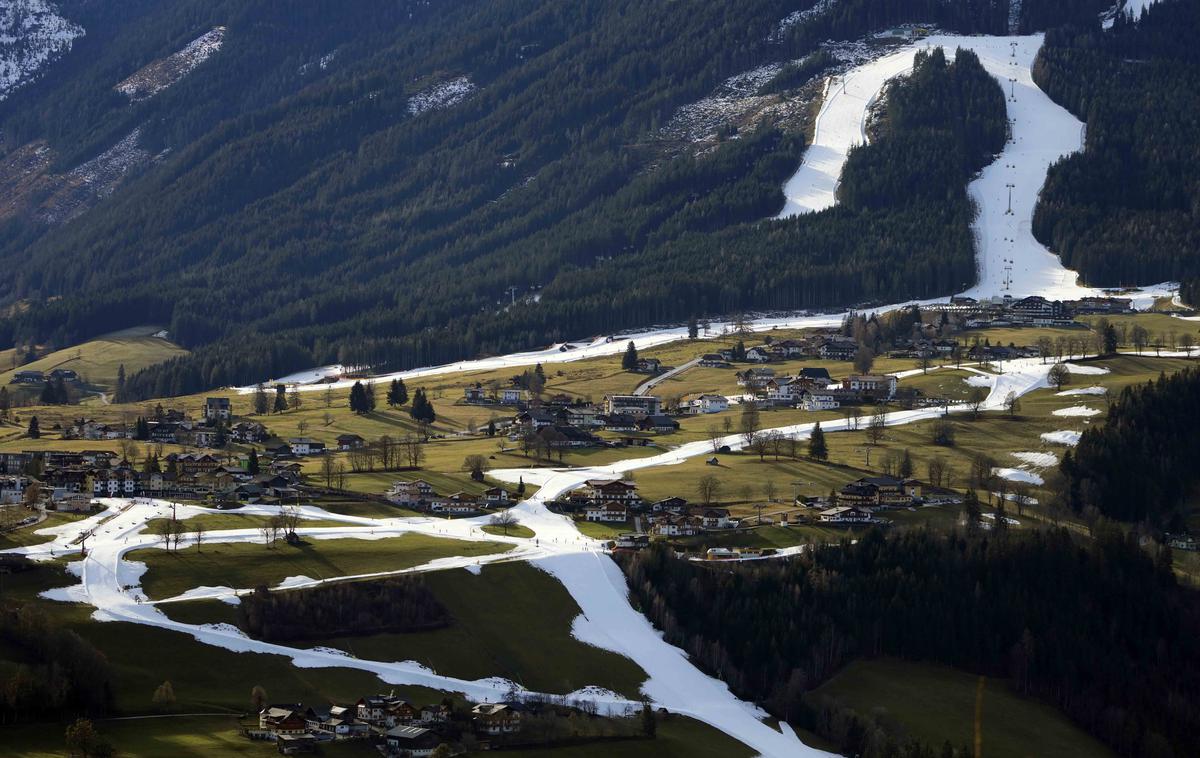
(111, 583)
(1009, 259)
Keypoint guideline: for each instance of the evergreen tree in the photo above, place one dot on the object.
(281, 401)
(397, 394)
(693, 328)
(491, 427)
(261, 402)
(120, 392)
(817, 449)
(252, 464)
(649, 721)
(358, 399)
(369, 396)
(5, 402)
(630, 360)
(1110, 339)
(417, 409)
(33, 432)
(906, 465)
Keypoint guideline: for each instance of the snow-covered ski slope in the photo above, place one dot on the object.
(1042, 132)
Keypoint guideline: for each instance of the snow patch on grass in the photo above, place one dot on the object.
(1063, 437)
(1042, 460)
(1018, 475)
(978, 380)
(1083, 391)
(1077, 410)
(1086, 370)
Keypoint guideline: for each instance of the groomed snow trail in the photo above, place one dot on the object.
(1042, 132)
(112, 584)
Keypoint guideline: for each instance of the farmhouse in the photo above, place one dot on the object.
(306, 446)
(496, 718)
(845, 514)
(350, 442)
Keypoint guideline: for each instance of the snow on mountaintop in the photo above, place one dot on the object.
(440, 96)
(157, 76)
(32, 34)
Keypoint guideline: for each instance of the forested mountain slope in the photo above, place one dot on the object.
(1126, 210)
(363, 184)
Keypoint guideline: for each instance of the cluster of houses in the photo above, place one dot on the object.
(394, 725)
(813, 389)
(1008, 311)
(561, 422)
(175, 427)
(830, 346)
(859, 501)
(419, 495)
(616, 501)
(69, 480)
(31, 377)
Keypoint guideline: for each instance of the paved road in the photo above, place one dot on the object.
(654, 381)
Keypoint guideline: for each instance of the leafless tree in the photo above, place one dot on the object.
(505, 520)
(198, 532)
(1012, 404)
(708, 487)
(1059, 375)
(975, 399)
(876, 427)
(714, 436)
(936, 470)
(749, 423)
(327, 469)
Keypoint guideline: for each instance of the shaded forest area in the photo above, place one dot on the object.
(1126, 210)
(304, 216)
(1097, 628)
(394, 604)
(1126, 471)
(694, 262)
(301, 214)
(48, 672)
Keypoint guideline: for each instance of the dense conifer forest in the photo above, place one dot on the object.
(300, 211)
(1097, 628)
(1140, 464)
(395, 604)
(1127, 209)
(301, 214)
